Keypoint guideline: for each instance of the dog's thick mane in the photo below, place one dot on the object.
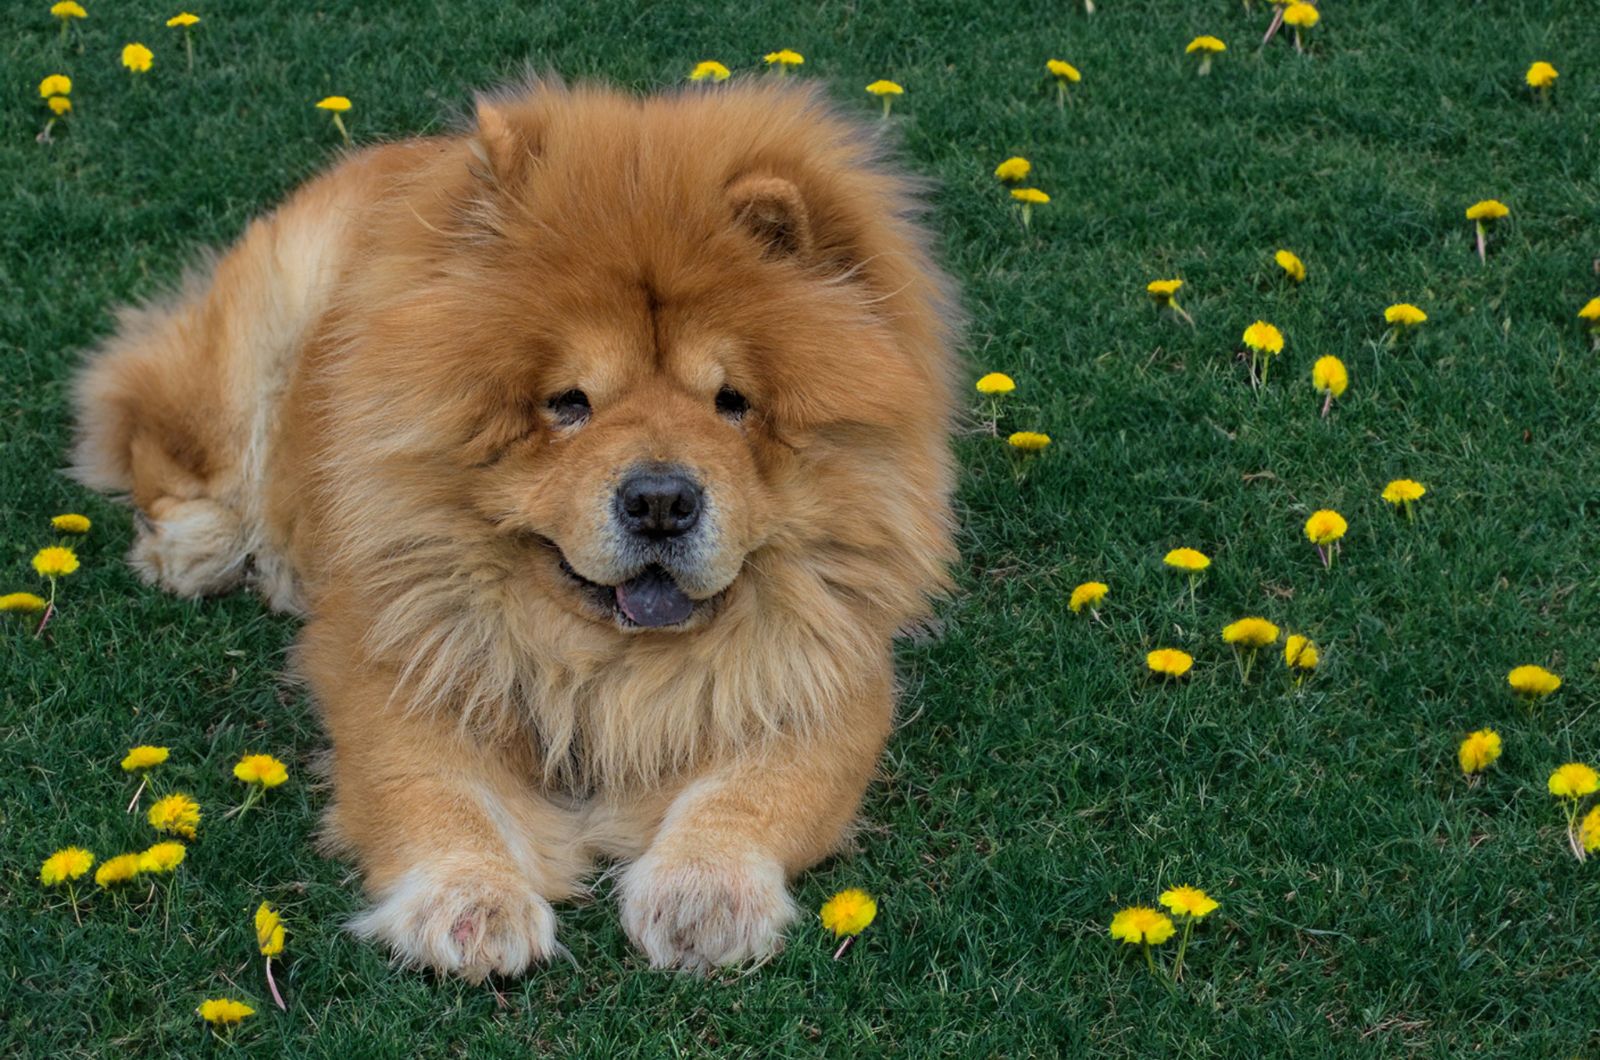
(446, 602)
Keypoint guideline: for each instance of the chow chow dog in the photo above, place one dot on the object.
(604, 449)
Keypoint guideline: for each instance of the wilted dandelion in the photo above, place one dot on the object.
(269, 940)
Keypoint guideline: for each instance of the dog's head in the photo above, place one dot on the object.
(660, 339)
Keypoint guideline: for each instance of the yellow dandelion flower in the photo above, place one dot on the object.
(1187, 559)
(1535, 682)
(55, 562)
(1541, 75)
(1029, 441)
(1208, 48)
(1324, 527)
(1591, 831)
(1487, 210)
(120, 869)
(1404, 315)
(1402, 491)
(1300, 653)
(848, 912)
(1591, 311)
(65, 865)
(137, 58)
(264, 770)
(1478, 750)
(337, 104)
(1065, 74)
(1029, 195)
(1162, 291)
(68, 9)
(1262, 337)
(143, 757)
(1329, 376)
(222, 1011)
(183, 19)
(709, 70)
(1574, 781)
(71, 523)
(269, 931)
(1250, 632)
(162, 857)
(1063, 71)
(1013, 169)
(1089, 595)
(1291, 264)
(996, 383)
(60, 106)
(1169, 662)
(1141, 925)
(55, 85)
(177, 813)
(784, 58)
(21, 603)
(1189, 901)
(1300, 16)
(886, 91)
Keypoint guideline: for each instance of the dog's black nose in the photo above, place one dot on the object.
(659, 502)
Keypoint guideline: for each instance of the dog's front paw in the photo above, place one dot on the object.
(463, 924)
(701, 912)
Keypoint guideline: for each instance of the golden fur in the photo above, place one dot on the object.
(352, 411)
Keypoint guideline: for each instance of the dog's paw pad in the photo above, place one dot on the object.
(471, 928)
(703, 913)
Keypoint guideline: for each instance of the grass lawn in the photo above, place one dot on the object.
(1371, 898)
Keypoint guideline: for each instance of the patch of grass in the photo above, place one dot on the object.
(1040, 781)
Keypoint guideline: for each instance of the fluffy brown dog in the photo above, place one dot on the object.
(605, 450)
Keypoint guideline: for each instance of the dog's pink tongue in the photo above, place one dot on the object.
(654, 599)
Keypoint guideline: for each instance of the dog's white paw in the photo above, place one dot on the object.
(471, 927)
(191, 548)
(700, 913)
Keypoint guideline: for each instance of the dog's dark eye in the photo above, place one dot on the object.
(569, 408)
(731, 403)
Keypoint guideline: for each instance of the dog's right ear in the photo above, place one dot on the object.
(500, 147)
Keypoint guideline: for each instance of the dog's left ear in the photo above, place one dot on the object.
(774, 214)
(500, 148)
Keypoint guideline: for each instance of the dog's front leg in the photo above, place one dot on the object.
(460, 854)
(711, 888)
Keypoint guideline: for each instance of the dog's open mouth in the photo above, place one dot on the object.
(650, 599)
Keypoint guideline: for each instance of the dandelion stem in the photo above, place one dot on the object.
(1205, 66)
(887, 103)
(72, 896)
(49, 609)
(339, 124)
(1272, 30)
(188, 47)
(1298, 50)
(1483, 258)
(133, 802)
(1183, 944)
(845, 945)
(272, 984)
(1027, 215)
(1178, 309)
(1149, 959)
(1247, 664)
(1327, 403)
(1061, 94)
(1192, 579)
